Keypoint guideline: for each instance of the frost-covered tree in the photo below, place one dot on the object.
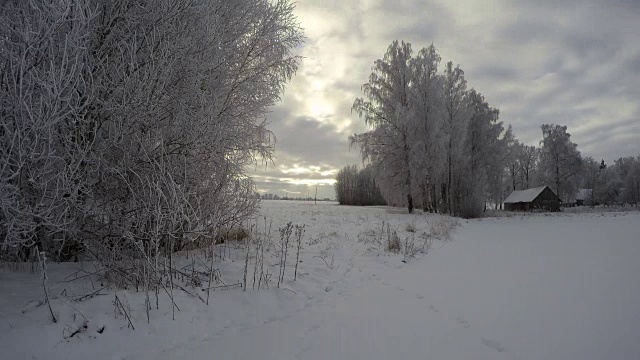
(528, 158)
(593, 178)
(499, 187)
(45, 136)
(560, 160)
(427, 124)
(433, 142)
(611, 189)
(127, 126)
(457, 115)
(386, 108)
(357, 187)
(628, 171)
(523, 166)
(483, 146)
(514, 168)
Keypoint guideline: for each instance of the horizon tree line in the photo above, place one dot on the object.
(436, 144)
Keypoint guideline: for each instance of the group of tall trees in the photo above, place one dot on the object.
(437, 144)
(434, 143)
(126, 126)
(558, 164)
(357, 187)
(618, 183)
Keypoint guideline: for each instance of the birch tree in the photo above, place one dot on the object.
(592, 172)
(482, 147)
(514, 167)
(498, 165)
(427, 124)
(528, 160)
(432, 139)
(457, 115)
(628, 172)
(561, 160)
(357, 187)
(386, 108)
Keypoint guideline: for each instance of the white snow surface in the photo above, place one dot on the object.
(527, 195)
(530, 287)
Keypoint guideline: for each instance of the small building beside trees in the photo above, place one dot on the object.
(585, 197)
(540, 198)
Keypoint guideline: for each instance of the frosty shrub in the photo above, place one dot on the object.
(126, 126)
(383, 238)
(368, 236)
(411, 227)
(393, 242)
(231, 234)
(442, 228)
(410, 250)
(376, 236)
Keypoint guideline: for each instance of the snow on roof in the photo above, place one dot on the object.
(524, 195)
(583, 194)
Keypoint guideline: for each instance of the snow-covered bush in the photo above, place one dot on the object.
(393, 243)
(126, 127)
(411, 226)
(443, 227)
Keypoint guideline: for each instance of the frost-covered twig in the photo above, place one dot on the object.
(225, 287)
(285, 235)
(246, 263)
(81, 328)
(190, 293)
(91, 294)
(7, 321)
(42, 259)
(119, 306)
(299, 232)
(325, 261)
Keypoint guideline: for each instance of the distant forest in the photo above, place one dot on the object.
(270, 196)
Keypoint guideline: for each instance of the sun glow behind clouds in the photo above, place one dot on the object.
(294, 181)
(298, 179)
(300, 170)
(309, 181)
(319, 109)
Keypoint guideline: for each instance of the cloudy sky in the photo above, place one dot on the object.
(574, 63)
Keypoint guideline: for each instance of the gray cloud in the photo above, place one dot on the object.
(575, 63)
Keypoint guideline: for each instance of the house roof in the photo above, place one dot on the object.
(524, 195)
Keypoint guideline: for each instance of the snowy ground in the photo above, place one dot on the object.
(532, 287)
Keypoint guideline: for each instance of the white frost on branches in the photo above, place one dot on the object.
(125, 127)
(432, 141)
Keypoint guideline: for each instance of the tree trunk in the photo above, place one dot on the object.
(408, 167)
(558, 182)
(448, 192)
(425, 197)
(442, 201)
(434, 200)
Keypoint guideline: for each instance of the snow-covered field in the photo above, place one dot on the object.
(522, 287)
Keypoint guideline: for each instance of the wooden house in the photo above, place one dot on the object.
(542, 198)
